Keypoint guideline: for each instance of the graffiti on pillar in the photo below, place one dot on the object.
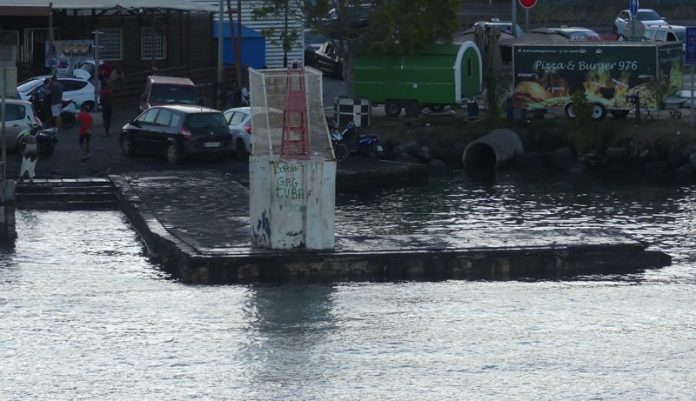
(262, 230)
(288, 188)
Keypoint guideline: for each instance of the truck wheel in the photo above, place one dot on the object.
(392, 109)
(569, 112)
(413, 109)
(598, 112)
(619, 114)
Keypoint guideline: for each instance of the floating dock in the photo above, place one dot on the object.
(197, 225)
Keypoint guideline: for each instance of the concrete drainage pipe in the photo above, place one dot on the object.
(485, 155)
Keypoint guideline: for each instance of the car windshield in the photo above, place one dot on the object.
(204, 120)
(29, 86)
(648, 15)
(173, 94)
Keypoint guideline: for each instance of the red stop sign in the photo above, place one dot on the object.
(528, 3)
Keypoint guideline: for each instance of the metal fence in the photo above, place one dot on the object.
(275, 115)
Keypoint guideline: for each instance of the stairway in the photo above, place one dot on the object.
(65, 194)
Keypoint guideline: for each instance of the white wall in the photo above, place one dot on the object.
(274, 51)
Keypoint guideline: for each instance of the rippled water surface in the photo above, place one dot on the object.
(84, 315)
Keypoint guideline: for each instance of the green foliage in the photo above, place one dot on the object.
(409, 26)
(283, 10)
(581, 107)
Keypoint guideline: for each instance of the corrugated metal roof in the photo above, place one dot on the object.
(107, 4)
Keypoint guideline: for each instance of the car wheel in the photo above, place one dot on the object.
(127, 146)
(90, 105)
(569, 112)
(173, 153)
(392, 109)
(340, 151)
(241, 151)
(598, 112)
(413, 109)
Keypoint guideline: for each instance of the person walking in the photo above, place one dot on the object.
(55, 91)
(106, 99)
(85, 120)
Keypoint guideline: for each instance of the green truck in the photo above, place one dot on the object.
(444, 74)
(611, 75)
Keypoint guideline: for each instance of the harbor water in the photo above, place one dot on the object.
(85, 315)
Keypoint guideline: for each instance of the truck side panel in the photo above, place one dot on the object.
(545, 76)
(440, 76)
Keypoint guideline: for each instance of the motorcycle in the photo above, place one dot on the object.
(339, 140)
(46, 140)
(367, 145)
(68, 111)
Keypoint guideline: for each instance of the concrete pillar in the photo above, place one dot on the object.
(292, 203)
(8, 232)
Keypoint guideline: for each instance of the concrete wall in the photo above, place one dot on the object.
(292, 203)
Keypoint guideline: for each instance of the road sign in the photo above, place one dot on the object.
(528, 3)
(690, 56)
(633, 7)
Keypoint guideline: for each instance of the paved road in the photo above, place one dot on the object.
(106, 157)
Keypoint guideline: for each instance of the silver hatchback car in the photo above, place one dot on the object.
(20, 115)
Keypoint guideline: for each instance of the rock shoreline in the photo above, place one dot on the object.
(618, 148)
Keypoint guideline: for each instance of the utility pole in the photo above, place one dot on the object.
(221, 41)
(514, 19)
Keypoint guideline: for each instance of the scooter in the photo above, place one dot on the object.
(338, 140)
(367, 145)
(46, 140)
(68, 111)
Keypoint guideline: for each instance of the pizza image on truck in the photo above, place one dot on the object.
(610, 74)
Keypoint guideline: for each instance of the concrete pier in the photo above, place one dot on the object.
(197, 225)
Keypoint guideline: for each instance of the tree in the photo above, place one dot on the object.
(285, 10)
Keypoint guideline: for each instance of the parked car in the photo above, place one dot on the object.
(161, 90)
(239, 124)
(77, 90)
(20, 115)
(312, 43)
(502, 26)
(666, 33)
(645, 15)
(572, 33)
(327, 61)
(177, 131)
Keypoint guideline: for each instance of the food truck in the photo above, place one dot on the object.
(613, 75)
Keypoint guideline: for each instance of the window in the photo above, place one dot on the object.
(72, 84)
(237, 118)
(205, 120)
(152, 46)
(149, 116)
(110, 44)
(469, 69)
(15, 112)
(163, 118)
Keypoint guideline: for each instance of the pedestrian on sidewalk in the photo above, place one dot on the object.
(85, 120)
(106, 98)
(55, 93)
(30, 155)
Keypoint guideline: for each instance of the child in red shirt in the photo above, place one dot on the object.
(85, 120)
